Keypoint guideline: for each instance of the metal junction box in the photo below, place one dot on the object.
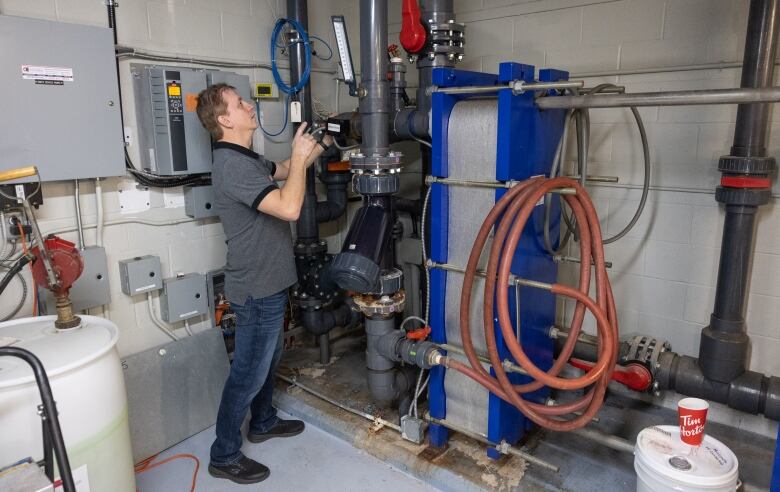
(172, 140)
(184, 297)
(60, 103)
(199, 202)
(140, 274)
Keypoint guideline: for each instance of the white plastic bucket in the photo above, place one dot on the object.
(86, 378)
(664, 463)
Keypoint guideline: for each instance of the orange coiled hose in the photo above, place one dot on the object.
(513, 210)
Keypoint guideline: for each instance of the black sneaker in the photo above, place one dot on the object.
(283, 428)
(245, 471)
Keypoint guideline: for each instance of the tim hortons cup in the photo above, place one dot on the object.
(693, 416)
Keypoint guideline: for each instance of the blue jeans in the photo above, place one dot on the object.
(250, 385)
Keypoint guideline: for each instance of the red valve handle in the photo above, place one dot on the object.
(419, 333)
(412, 31)
(634, 376)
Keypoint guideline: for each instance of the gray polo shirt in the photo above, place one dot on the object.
(260, 259)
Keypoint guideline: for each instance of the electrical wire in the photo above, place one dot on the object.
(147, 465)
(420, 386)
(23, 298)
(187, 327)
(330, 50)
(27, 253)
(286, 118)
(304, 38)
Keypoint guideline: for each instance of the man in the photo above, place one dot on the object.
(255, 215)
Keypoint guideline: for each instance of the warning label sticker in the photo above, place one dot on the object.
(38, 72)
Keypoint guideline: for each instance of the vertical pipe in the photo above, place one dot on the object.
(306, 227)
(758, 69)
(375, 119)
(723, 351)
(77, 204)
(324, 341)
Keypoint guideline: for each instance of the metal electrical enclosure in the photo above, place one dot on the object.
(140, 274)
(172, 140)
(199, 202)
(61, 104)
(184, 297)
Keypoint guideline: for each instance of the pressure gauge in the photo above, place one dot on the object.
(342, 44)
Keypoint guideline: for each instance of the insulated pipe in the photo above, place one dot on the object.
(374, 90)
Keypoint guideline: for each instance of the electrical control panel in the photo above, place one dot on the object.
(184, 297)
(172, 141)
(140, 274)
(60, 108)
(199, 202)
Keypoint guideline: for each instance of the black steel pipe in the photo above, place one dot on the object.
(50, 417)
(724, 347)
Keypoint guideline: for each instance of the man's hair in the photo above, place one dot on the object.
(211, 105)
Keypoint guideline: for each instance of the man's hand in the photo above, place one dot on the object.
(303, 146)
(327, 140)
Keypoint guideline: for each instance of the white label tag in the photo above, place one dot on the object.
(334, 127)
(295, 112)
(19, 189)
(39, 72)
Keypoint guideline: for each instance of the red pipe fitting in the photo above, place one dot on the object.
(634, 376)
(412, 31)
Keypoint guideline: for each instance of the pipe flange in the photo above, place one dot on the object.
(376, 184)
(752, 197)
(303, 249)
(389, 162)
(747, 165)
(383, 306)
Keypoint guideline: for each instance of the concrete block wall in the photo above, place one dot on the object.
(236, 30)
(665, 270)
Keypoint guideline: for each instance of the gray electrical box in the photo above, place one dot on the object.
(60, 109)
(92, 288)
(140, 274)
(184, 297)
(240, 82)
(199, 202)
(172, 140)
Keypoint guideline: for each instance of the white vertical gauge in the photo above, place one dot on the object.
(342, 43)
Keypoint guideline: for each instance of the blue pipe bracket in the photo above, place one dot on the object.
(526, 143)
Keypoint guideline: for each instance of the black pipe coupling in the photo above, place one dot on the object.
(745, 180)
(376, 184)
(396, 347)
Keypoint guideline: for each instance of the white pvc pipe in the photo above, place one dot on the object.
(155, 320)
(99, 209)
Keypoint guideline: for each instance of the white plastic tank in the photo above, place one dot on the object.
(86, 379)
(664, 463)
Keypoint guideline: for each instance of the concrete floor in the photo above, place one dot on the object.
(312, 461)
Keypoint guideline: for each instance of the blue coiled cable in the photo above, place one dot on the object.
(306, 48)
